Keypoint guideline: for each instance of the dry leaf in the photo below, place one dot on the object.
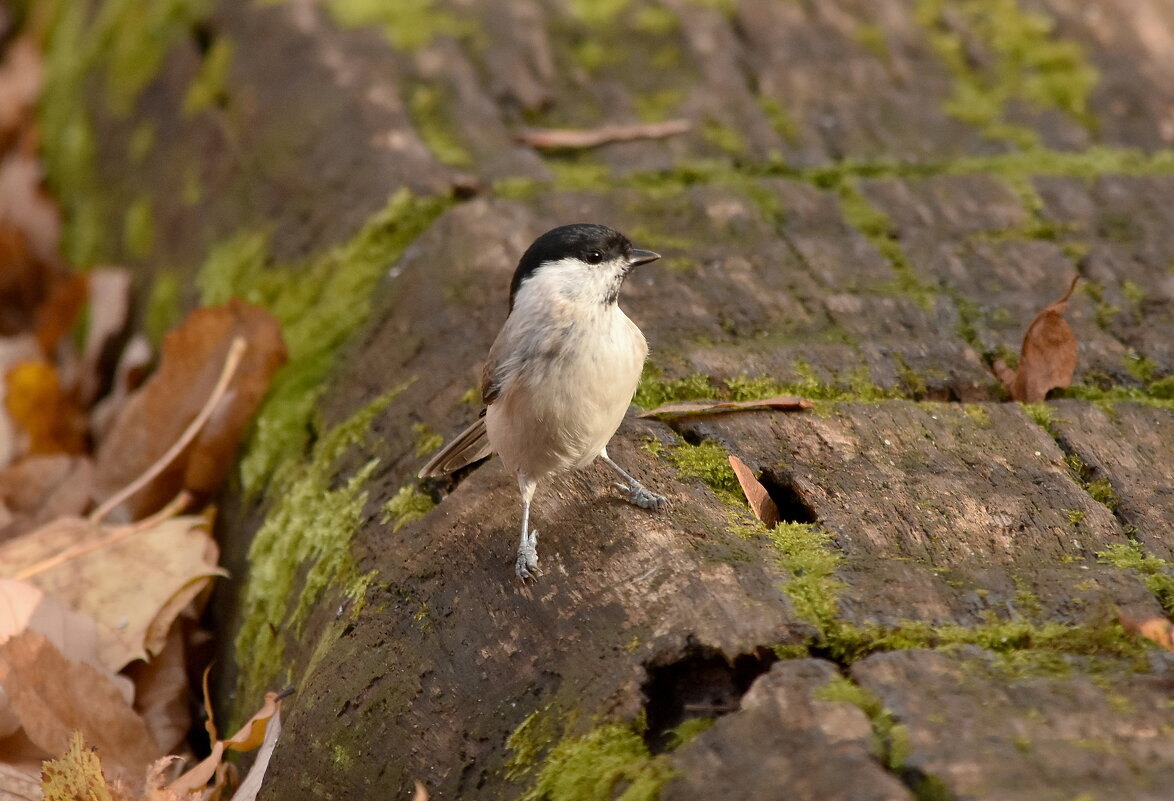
(25, 206)
(21, 76)
(1158, 629)
(256, 776)
(75, 775)
(20, 785)
(782, 402)
(38, 489)
(567, 138)
(761, 503)
(128, 376)
(25, 607)
(250, 737)
(49, 418)
(161, 692)
(109, 295)
(190, 365)
(54, 697)
(1047, 358)
(85, 566)
(421, 793)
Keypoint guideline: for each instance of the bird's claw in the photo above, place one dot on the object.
(642, 496)
(527, 560)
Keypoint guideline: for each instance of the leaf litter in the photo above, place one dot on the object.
(105, 474)
(1047, 358)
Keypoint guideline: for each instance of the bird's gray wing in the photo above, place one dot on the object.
(469, 446)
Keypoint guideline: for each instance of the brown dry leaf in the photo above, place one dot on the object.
(250, 737)
(25, 206)
(191, 363)
(50, 419)
(761, 503)
(1047, 358)
(38, 489)
(21, 75)
(1158, 629)
(18, 784)
(128, 376)
(782, 402)
(109, 312)
(580, 138)
(54, 697)
(256, 776)
(25, 607)
(421, 793)
(86, 566)
(161, 692)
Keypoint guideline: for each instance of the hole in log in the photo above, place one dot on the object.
(701, 683)
(792, 507)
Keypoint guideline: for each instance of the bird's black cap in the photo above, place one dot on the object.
(592, 243)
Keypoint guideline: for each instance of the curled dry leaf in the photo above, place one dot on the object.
(85, 566)
(1157, 629)
(256, 776)
(48, 416)
(54, 697)
(782, 402)
(1047, 358)
(191, 363)
(761, 503)
(248, 738)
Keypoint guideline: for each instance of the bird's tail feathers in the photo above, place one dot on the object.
(469, 446)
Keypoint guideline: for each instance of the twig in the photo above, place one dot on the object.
(177, 505)
(236, 351)
(570, 138)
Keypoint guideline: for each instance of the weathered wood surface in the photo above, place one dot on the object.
(872, 202)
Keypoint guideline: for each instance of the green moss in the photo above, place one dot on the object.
(686, 731)
(978, 413)
(427, 440)
(429, 107)
(138, 228)
(710, 463)
(781, 120)
(891, 746)
(1042, 414)
(97, 54)
(1139, 366)
(408, 24)
(526, 743)
(654, 391)
(1156, 573)
(319, 303)
(142, 140)
(210, 86)
(1024, 62)
(1157, 395)
(303, 547)
(164, 310)
(598, 13)
(806, 551)
(610, 763)
(657, 105)
(723, 137)
(872, 38)
(406, 505)
(879, 229)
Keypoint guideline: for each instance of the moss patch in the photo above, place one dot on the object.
(1022, 61)
(429, 106)
(406, 505)
(319, 303)
(408, 24)
(302, 547)
(1156, 573)
(890, 739)
(97, 54)
(610, 763)
(210, 87)
(709, 462)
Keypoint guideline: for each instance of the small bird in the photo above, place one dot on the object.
(562, 371)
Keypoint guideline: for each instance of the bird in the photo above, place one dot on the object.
(561, 373)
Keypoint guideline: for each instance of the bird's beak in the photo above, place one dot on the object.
(637, 257)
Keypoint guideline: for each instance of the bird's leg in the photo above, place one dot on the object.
(634, 491)
(527, 560)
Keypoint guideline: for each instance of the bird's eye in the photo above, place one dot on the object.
(594, 257)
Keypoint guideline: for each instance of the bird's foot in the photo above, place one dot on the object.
(642, 496)
(527, 560)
